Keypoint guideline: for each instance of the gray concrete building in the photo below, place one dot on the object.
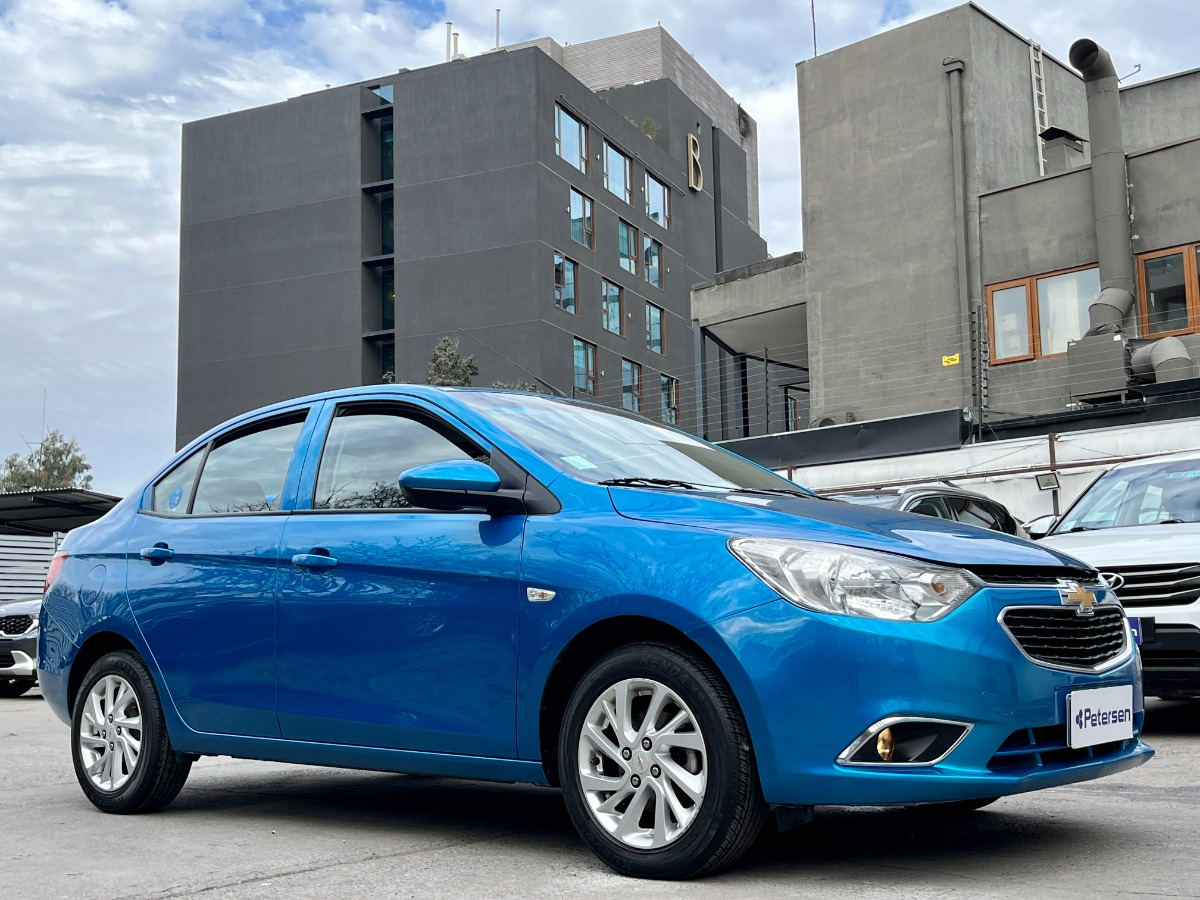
(549, 207)
(962, 212)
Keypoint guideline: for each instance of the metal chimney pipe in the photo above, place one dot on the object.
(1110, 193)
(497, 29)
(449, 28)
(456, 53)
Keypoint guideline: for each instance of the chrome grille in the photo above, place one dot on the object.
(11, 625)
(1060, 637)
(1164, 584)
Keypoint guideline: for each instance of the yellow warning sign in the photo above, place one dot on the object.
(950, 360)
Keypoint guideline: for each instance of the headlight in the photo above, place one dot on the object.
(846, 581)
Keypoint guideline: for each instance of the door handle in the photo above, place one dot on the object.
(314, 560)
(159, 551)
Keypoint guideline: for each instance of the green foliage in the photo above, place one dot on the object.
(389, 377)
(650, 128)
(55, 463)
(517, 386)
(448, 367)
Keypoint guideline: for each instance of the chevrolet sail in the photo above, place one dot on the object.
(535, 590)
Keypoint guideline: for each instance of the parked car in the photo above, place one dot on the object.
(18, 645)
(942, 501)
(515, 587)
(1140, 523)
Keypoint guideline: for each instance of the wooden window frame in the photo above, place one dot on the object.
(1191, 290)
(666, 190)
(662, 331)
(635, 248)
(558, 287)
(605, 319)
(627, 188)
(1032, 314)
(590, 380)
(635, 385)
(589, 213)
(672, 398)
(646, 268)
(585, 143)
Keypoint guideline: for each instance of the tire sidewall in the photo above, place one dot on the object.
(131, 795)
(696, 845)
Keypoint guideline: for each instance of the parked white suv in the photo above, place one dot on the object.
(1139, 524)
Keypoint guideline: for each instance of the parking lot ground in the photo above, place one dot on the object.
(246, 829)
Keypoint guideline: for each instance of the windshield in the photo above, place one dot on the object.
(1143, 495)
(600, 446)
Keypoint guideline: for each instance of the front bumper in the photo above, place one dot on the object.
(18, 657)
(810, 683)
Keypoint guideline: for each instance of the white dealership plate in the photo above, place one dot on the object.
(1099, 715)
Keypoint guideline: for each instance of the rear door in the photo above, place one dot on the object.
(203, 564)
(397, 625)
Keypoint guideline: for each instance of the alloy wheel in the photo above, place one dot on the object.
(110, 733)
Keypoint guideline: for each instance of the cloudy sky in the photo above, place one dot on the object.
(94, 92)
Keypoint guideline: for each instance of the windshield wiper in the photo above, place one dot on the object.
(653, 482)
(787, 492)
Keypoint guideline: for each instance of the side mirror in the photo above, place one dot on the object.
(1040, 527)
(458, 484)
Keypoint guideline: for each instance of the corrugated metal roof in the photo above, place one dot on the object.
(45, 512)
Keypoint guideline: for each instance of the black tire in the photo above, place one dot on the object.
(158, 773)
(731, 811)
(14, 687)
(952, 808)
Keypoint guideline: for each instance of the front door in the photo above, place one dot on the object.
(397, 626)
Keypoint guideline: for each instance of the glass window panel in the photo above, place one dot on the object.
(387, 362)
(585, 367)
(1166, 294)
(366, 452)
(1010, 323)
(611, 314)
(386, 167)
(652, 260)
(387, 298)
(631, 385)
(581, 219)
(387, 223)
(246, 475)
(658, 201)
(669, 387)
(570, 139)
(173, 494)
(654, 339)
(618, 173)
(627, 246)
(565, 277)
(1063, 302)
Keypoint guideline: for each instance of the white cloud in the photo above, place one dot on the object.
(95, 91)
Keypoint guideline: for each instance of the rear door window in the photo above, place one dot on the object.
(931, 506)
(245, 472)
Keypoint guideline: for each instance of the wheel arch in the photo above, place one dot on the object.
(94, 648)
(583, 651)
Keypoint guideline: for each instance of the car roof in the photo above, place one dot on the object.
(910, 489)
(1184, 456)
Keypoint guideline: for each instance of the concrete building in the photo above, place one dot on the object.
(966, 198)
(550, 207)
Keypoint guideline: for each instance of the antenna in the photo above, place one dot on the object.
(1136, 69)
(812, 4)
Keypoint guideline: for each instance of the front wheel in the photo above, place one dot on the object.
(123, 756)
(656, 765)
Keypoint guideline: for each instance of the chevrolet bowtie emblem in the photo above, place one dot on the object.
(1072, 593)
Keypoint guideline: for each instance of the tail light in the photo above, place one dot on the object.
(56, 564)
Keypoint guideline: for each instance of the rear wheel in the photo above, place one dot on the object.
(656, 765)
(123, 756)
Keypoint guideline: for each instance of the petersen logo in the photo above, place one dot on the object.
(1072, 593)
(1098, 718)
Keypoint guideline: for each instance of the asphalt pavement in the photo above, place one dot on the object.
(246, 829)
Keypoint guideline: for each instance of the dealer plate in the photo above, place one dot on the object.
(1099, 715)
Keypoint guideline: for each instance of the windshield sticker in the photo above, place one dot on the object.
(176, 496)
(578, 462)
(1192, 474)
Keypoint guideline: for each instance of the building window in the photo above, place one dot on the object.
(631, 385)
(387, 298)
(627, 246)
(566, 274)
(387, 362)
(652, 260)
(582, 228)
(618, 173)
(1169, 286)
(1038, 316)
(670, 399)
(654, 330)
(612, 307)
(658, 201)
(386, 168)
(585, 368)
(570, 139)
(387, 223)
(798, 407)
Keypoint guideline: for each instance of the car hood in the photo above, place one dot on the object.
(1138, 545)
(865, 527)
(27, 606)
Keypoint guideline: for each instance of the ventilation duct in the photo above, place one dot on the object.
(1163, 361)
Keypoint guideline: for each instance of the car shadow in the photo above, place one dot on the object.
(1171, 717)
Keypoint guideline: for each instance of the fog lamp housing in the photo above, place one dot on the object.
(905, 741)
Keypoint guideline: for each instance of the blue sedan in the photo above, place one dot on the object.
(543, 591)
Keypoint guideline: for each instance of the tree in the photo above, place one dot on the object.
(517, 386)
(448, 367)
(55, 463)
